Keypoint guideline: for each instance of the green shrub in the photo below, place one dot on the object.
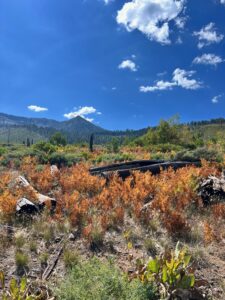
(33, 246)
(70, 258)
(114, 145)
(96, 238)
(85, 155)
(17, 163)
(20, 241)
(72, 159)
(199, 153)
(2, 151)
(58, 159)
(58, 139)
(111, 158)
(49, 234)
(5, 161)
(96, 280)
(150, 246)
(19, 153)
(21, 260)
(44, 258)
(44, 147)
(62, 159)
(16, 290)
(167, 147)
(170, 271)
(39, 168)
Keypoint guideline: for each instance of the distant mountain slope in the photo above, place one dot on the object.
(23, 121)
(19, 135)
(17, 129)
(76, 123)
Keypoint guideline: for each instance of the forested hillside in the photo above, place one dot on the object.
(14, 129)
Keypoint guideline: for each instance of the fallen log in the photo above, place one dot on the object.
(125, 170)
(25, 205)
(51, 266)
(126, 165)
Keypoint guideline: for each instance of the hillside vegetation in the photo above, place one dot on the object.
(145, 237)
(15, 129)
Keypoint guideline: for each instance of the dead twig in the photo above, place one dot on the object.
(48, 271)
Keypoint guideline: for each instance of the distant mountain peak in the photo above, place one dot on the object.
(76, 129)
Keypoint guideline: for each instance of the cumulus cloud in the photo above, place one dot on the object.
(208, 59)
(36, 108)
(181, 78)
(83, 112)
(216, 99)
(151, 17)
(208, 35)
(128, 64)
(222, 1)
(159, 86)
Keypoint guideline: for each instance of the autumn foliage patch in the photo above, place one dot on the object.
(83, 199)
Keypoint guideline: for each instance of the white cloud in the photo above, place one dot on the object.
(208, 59)
(216, 99)
(151, 17)
(180, 22)
(181, 78)
(159, 86)
(128, 64)
(208, 35)
(88, 119)
(83, 112)
(222, 1)
(36, 108)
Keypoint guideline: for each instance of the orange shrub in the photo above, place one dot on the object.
(78, 178)
(83, 198)
(175, 223)
(209, 234)
(219, 210)
(7, 204)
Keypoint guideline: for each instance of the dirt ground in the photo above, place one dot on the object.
(210, 260)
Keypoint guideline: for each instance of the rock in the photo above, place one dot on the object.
(181, 294)
(54, 170)
(138, 246)
(212, 190)
(22, 181)
(58, 239)
(26, 206)
(43, 200)
(71, 237)
(146, 207)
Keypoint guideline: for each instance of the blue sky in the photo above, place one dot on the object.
(119, 63)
